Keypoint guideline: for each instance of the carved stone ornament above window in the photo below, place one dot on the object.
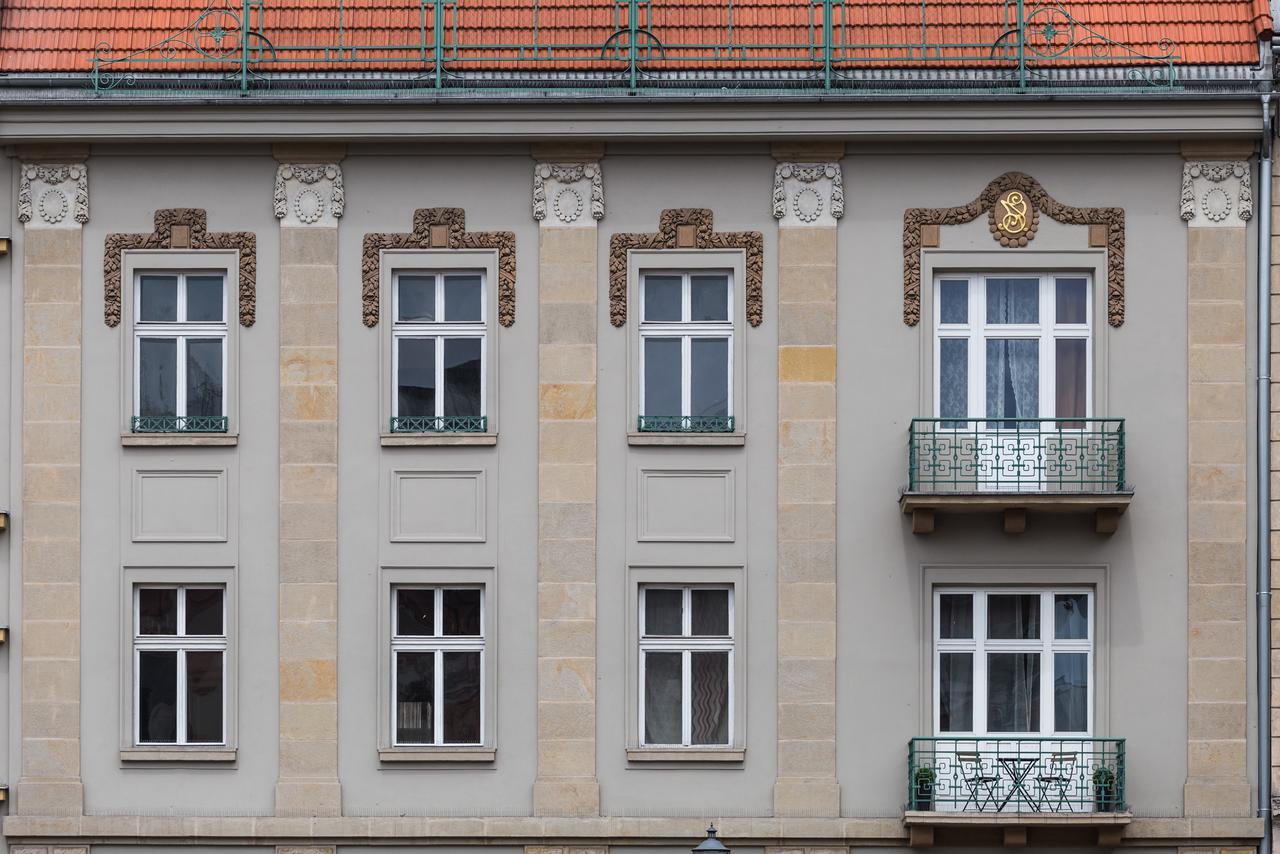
(53, 196)
(808, 194)
(686, 228)
(567, 191)
(440, 228)
(181, 228)
(1106, 230)
(1217, 193)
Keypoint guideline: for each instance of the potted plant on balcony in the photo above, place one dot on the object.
(1104, 789)
(924, 779)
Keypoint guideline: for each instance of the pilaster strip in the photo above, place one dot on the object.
(52, 259)
(308, 201)
(808, 199)
(1217, 583)
(566, 784)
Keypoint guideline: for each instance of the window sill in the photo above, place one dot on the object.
(704, 439)
(437, 754)
(400, 440)
(174, 440)
(690, 754)
(178, 754)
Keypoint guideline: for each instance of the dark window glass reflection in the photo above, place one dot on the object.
(159, 299)
(157, 697)
(157, 611)
(1013, 616)
(710, 617)
(662, 698)
(662, 298)
(462, 697)
(204, 697)
(955, 691)
(462, 376)
(709, 393)
(415, 612)
(158, 376)
(204, 299)
(1071, 616)
(1070, 692)
(204, 611)
(204, 376)
(1013, 692)
(662, 376)
(416, 377)
(415, 687)
(663, 612)
(708, 298)
(462, 299)
(461, 612)
(416, 298)
(709, 697)
(955, 616)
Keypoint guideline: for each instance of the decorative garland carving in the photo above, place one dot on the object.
(455, 221)
(567, 203)
(1112, 219)
(53, 204)
(809, 209)
(704, 237)
(199, 238)
(1216, 203)
(312, 210)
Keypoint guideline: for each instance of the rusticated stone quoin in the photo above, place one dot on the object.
(188, 224)
(915, 219)
(671, 225)
(439, 228)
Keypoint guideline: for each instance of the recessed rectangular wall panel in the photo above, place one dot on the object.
(437, 507)
(686, 505)
(186, 506)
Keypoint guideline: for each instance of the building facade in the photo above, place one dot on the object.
(455, 456)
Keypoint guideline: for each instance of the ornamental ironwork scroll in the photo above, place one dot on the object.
(439, 228)
(686, 228)
(1013, 224)
(187, 225)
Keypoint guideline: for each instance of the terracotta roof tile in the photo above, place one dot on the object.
(61, 35)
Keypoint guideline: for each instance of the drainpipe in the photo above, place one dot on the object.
(1264, 479)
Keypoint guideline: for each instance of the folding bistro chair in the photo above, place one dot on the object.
(1057, 778)
(979, 781)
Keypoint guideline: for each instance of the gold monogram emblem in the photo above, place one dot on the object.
(1014, 220)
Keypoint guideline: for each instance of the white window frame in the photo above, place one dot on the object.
(686, 644)
(977, 331)
(180, 643)
(686, 331)
(181, 330)
(438, 644)
(979, 646)
(439, 330)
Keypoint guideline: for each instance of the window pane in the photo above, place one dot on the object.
(708, 298)
(417, 298)
(1013, 616)
(1071, 692)
(1071, 378)
(157, 697)
(157, 611)
(1071, 616)
(415, 612)
(1013, 692)
(1072, 300)
(204, 611)
(709, 697)
(709, 394)
(1013, 378)
(955, 691)
(662, 696)
(415, 684)
(462, 298)
(953, 378)
(462, 376)
(159, 298)
(416, 377)
(663, 611)
(953, 301)
(955, 616)
(710, 615)
(462, 697)
(204, 697)
(1013, 300)
(204, 299)
(204, 376)
(461, 612)
(662, 376)
(157, 376)
(662, 297)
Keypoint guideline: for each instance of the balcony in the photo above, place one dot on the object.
(975, 787)
(1043, 465)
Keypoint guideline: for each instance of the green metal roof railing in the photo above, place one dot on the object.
(1080, 455)
(229, 47)
(1016, 774)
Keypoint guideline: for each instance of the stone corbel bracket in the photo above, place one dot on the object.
(181, 228)
(1215, 190)
(54, 192)
(1106, 230)
(439, 228)
(686, 228)
(559, 188)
